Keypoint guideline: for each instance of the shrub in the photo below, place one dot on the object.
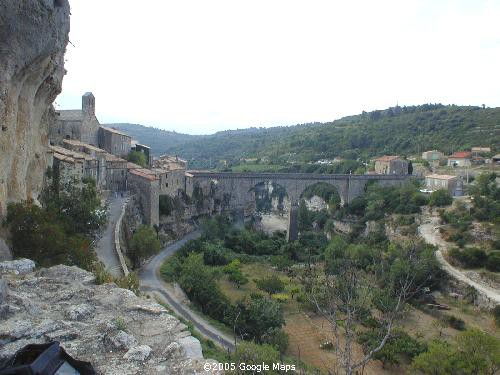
(496, 315)
(455, 322)
(215, 255)
(440, 198)
(470, 257)
(493, 261)
(137, 157)
(271, 284)
(144, 244)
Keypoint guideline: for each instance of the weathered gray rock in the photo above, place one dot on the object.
(79, 312)
(5, 253)
(33, 39)
(3, 290)
(138, 353)
(18, 266)
(90, 320)
(191, 346)
(121, 340)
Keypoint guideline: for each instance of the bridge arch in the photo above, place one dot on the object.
(269, 195)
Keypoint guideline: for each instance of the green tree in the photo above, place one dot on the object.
(233, 270)
(144, 244)
(199, 283)
(137, 157)
(478, 352)
(251, 353)
(77, 207)
(439, 359)
(271, 284)
(440, 198)
(215, 254)
(304, 220)
(277, 338)
(475, 352)
(258, 315)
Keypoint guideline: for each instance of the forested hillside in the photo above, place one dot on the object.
(396, 130)
(157, 139)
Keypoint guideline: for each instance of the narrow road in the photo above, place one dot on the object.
(429, 231)
(105, 248)
(151, 281)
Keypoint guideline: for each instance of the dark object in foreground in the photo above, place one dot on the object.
(45, 359)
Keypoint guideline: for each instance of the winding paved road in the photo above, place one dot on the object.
(105, 248)
(429, 231)
(151, 281)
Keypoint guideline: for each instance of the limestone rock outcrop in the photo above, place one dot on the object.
(118, 332)
(33, 39)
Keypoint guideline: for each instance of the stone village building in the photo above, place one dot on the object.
(114, 141)
(77, 124)
(81, 147)
(391, 165)
(453, 184)
(460, 159)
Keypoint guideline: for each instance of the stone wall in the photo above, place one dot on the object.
(33, 38)
(146, 192)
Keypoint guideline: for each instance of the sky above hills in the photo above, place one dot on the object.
(202, 66)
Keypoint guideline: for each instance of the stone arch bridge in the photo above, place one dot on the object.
(237, 189)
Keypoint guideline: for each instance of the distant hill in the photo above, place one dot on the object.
(159, 140)
(396, 130)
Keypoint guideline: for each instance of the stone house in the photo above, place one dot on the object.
(114, 141)
(87, 163)
(116, 173)
(169, 162)
(391, 165)
(144, 184)
(478, 151)
(433, 156)
(97, 153)
(454, 184)
(77, 124)
(460, 159)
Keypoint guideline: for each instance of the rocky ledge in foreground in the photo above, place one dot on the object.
(118, 332)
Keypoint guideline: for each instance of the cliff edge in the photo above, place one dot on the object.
(118, 332)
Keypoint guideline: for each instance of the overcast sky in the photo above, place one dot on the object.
(202, 66)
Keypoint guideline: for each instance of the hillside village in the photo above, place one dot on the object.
(81, 147)
(366, 245)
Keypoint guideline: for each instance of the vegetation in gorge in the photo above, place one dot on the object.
(362, 284)
(59, 231)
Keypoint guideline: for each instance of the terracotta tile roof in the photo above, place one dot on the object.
(82, 144)
(111, 130)
(133, 166)
(111, 157)
(461, 155)
(65, 158)
(387, 158)
(71, 153)
(143, 173)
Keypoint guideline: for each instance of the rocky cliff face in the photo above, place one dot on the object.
(118, 332)
(33, 38)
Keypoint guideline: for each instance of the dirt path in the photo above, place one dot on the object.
(429, 231)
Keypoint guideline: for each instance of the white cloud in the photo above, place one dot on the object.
(201, 66)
